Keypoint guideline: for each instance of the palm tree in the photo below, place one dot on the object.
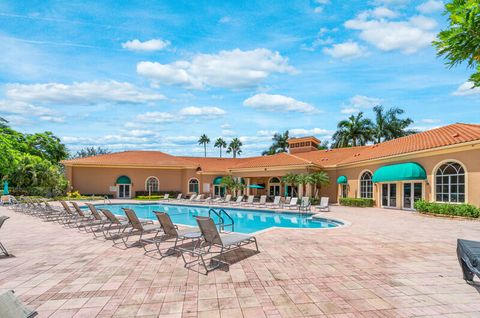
(204, 140)
(220, 143)
(292, 180)
(319, 179)
(3, 122)
(356, 131)
(234, 147)
(280, 144)
(388, 126)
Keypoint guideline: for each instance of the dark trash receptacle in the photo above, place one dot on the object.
(468, 253)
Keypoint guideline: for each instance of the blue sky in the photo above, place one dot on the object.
(156, 76)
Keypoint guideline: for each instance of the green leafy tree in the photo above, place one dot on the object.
(220, 143)
(90, 152)
(235, 147)
(204, 140)
(460, 42)
(47, 146)
(280, 144)
(3, 123)
(318, 180)
(388, 125)
(232, 184)
(292, 180)
(356, 131)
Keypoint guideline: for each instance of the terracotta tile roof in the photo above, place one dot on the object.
(215, 164)
(430, 139)
(145, 158)
(281, 159)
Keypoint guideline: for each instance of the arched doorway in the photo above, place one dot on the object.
(274, 185)
(124, 187)
(218, 188)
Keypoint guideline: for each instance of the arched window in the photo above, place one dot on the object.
(366, 185)
(274, 180)
(450, 183)
(193, 185)
(152, 184)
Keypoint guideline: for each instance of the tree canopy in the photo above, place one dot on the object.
(30, 162)
(234, 147)
(280, 144)
(91, 151)
(460, 42)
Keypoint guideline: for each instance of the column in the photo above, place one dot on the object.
(248, 184)
(309, 190)
(300, 190)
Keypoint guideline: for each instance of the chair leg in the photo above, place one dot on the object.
(4, 250)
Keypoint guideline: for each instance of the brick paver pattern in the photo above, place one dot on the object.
(386, 263)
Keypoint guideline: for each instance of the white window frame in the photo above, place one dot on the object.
(188, 185)
(158, 183)
(465, 184)
(360, 184)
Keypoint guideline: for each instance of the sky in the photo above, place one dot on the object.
(155, 75)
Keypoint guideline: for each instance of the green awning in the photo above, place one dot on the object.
(342, 180)
(400, 172)
(217, 180)
(123, 180)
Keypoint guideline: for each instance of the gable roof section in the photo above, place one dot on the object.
(133, 158)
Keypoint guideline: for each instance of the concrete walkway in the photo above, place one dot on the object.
(387, 263)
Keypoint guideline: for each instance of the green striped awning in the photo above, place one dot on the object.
(400, 172)
(123, 180)
(342, 180)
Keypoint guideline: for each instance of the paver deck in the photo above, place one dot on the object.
(387, 263)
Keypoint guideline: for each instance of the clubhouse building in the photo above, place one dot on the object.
(441, 165)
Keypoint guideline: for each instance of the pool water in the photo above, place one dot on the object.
(245, 221)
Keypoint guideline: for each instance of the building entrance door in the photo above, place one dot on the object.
(389, 195)
(124, 191)
(412, 192)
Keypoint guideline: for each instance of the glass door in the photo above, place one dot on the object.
(411, 192)
(344, 193)
(389, 195)
(274, 190)
(124, 191)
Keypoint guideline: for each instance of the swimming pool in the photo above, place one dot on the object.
(246, 221)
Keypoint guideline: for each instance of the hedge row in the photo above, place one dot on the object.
(357, 202)
(465, 210)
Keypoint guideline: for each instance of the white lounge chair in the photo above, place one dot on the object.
(227, 200)
(249, 201)
(292, 204)
(238, 201)
(262, 201)
(179, 197)
(192, 197)
(305, 205)
(276, 203)
(166, 196)
(323, 206)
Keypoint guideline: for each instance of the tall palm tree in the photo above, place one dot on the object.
(204, 140)
(319, 179)
(220, 143)
(292, 180)
(234, 147)
(280, 144)
(388, 126)
(355, 131)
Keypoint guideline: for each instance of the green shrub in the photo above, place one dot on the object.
(465, 210)
(357, 202)
(146, 197)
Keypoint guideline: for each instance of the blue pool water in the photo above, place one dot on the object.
(246, 221)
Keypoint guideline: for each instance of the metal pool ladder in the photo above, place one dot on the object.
(220, 213)
(105, 199)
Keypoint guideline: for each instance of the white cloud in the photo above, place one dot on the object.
(225, 20)
(156, 117)
(313, 131)
(202, 111)
(228, 133)
(346, 50)
(141, 133)
(430, 121)
(26, 110)
(192, 111)
(266, 132)
(227, 69)
(392, 2)
(226, 126)
(150, 45)
(430, 6)
(407, 36)
(466, 89)
(357, 102)
(53, 119)
(319, 9)
(383, 12)
(80, 93)
(278, 103)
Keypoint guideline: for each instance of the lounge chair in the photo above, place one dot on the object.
(238, 201)
(166, 197)
(227, 199)
(179, 197)
(323, 206)
(276, 204)
(4, 251)
(199, 198)
(261, 202)
(115, 224)
(305, 205)
(170, 232)
(192, 197)
(69, 218)
(292, 204)
(84, 218)
(217, 244)
(98, 222)
(137, 228)
(12, 307)
(249, 201)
